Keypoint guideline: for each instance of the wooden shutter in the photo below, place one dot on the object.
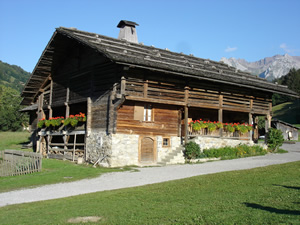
(138, 112)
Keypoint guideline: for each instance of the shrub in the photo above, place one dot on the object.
(192, 150)
(274, 139)
(234, 152)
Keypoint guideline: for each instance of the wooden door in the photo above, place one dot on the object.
(147, 150)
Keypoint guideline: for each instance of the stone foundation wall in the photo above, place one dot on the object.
(125, 150)
(99, 145)
(164, 151)
(209, 142)
(117, 150)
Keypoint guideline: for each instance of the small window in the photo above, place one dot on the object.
(147, 112)
(166, 142)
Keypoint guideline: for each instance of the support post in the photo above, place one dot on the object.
(220, 113)
(268, 119)
(89, 116)
(50, 98)
(67, 103)
(146, 89)
(250, 123)
(186, 117)
(255, 129)
(186, 114)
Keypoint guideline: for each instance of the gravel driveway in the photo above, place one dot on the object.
(149, 175)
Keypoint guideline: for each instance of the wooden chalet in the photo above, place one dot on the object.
(138, 100)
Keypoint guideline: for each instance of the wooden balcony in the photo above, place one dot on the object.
(218, 133)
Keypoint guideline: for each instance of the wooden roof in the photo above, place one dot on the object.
(148, 57)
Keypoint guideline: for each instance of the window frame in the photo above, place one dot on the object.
(163, 142)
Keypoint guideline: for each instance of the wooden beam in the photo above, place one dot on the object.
(89, 117)
(186, 114)
(146, 89)
(154, 100)
(51, 92)
(186, 118)
(29, 92)
(67, 102)
(123, 86)
(250, 122)
(220, 113)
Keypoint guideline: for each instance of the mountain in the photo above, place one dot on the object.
(13, 76)
(269, 68)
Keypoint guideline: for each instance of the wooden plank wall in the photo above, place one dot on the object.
(203, 94)
(165, 120)
(103, 80)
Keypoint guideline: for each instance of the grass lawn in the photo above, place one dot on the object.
(13, 140)
(288, 112)
(268, 195)
(53, 171)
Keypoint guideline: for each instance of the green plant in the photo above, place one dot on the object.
(211, 127)
(192, 150)
(229, 127)
(234, 152)
(243, 129)
(196, 126)
(74, 119)
(41, 123)
(274, 139)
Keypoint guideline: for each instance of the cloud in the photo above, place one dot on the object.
(230, 49)
(286, 48)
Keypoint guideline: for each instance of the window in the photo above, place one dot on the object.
(147, 112)
(166, 142)
(143, 112)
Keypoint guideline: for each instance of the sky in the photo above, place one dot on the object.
(210, 29)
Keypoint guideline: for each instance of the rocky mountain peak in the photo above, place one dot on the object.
(269, 67)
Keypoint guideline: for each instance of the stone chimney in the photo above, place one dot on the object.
(128, 31)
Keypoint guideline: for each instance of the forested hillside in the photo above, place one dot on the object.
(13, 76)
(12, 81)
(292, 80)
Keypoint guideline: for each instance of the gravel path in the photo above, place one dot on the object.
(150, 175)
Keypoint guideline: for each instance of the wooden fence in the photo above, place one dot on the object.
(14, 162)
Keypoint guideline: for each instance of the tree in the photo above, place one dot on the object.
(292, 80)
(10, 117)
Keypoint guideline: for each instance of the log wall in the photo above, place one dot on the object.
(164, 89)
(165, 120)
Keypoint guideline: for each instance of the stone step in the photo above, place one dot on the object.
(171, 156)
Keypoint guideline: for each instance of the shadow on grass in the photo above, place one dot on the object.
(290, 187)
(273, 210)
